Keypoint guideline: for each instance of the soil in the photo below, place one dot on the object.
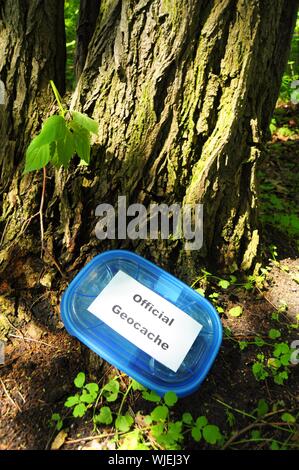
(42, 360)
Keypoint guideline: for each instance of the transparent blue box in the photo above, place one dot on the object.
(120, 352)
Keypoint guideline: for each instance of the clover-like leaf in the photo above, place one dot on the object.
(159, 413)
(72, 401)
(170, 398)
(235, 311)
(79, 410)
(111, 390)
(151, 396)
(201, 422)
(124, 423)
(80, 380)
(187, 418)
(104, 417)
(223, 283)
(196, 434)
(211, 434)
(274, 334)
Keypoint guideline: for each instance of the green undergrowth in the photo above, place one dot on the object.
(278, 178)
(71, 13)
(289, 92)
(122, 414)
(159, 429)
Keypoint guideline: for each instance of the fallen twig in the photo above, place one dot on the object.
(247, 428)
(25, 338)
(9, 397)
(91, 438)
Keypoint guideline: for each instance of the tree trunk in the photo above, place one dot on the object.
(184, 93)
(89, 11)
(32, 39)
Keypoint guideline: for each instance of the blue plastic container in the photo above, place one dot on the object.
(121, 352)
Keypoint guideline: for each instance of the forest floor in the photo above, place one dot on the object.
(41, 362)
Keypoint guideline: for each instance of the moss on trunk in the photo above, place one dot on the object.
(183, 92)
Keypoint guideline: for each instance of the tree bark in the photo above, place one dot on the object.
(32, 42)
(32, 39)
(183, 92)
(89, 11)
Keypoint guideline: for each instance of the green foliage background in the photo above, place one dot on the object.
(71, 19)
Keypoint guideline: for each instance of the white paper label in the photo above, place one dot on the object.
(146, 319)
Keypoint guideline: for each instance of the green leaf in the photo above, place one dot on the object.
(159, 413)
(65, 150)
(255, 434)
(151, 396)
(124, 423)
(40, 151)
(187, 418)
(211, 434)
(86, 122)
(274, 445)
(55, 417)
(243, 345)
(281, 348)
(80, 380)
(79, 410)
(259, 371)
(37, 156)
(288, 418)
(131, 441)
(81, 139)
(201, 422)
(259, 341)
(59, 425)
(235, 311)
(104, 417)
(273, 362)
(274, 334)
(262, 407)
(137, 386)
(275, 316)
(196, 433)
(148, 420)
(93, 388)
(285, 359)
(175, 431)
(223, 283)
(170, 439)
(88, 397)
(53, 129)
(157, 430)
(170, 398)
(200, 291)
(72, 401)
(230, 418)
(280, 378)
(111, 390)
(166, 441)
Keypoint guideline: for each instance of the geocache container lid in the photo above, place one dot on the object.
(144, 321)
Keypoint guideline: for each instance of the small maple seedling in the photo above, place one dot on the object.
(62, 136)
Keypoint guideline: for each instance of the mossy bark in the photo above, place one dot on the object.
(32, 52)
(183, 93)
